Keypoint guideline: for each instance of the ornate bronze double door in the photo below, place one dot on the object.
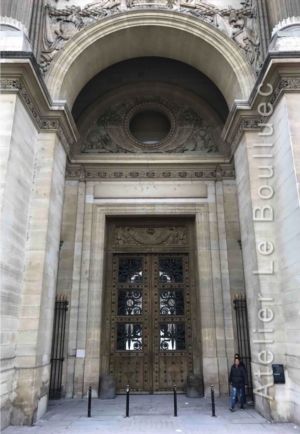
(150, 324)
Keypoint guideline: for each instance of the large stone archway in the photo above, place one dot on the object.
(48, 187)
(169, 35)
(150, 33)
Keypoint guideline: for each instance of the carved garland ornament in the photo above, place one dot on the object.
(110, 133)
(152, 236)
(207, 172)
(240, 25)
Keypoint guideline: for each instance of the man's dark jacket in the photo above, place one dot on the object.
(237, 376)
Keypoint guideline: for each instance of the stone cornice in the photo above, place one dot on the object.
(282, 72)
(20, 75)
(212, 172)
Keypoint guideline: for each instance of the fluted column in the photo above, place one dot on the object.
(18, 10)
(278, 10)
(27, 16)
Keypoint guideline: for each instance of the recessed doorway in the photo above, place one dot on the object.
(150, 304)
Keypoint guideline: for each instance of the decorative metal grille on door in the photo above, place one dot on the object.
(151, 334)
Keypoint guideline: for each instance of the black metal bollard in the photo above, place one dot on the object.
(213, 404)
(127, 400)
(175, 400)
(89, 401)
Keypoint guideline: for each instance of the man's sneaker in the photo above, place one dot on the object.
(231, 409)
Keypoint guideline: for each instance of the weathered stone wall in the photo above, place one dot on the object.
(18, 147)
(32, 180)
(271, 246)
(39, 282)
(287, 164)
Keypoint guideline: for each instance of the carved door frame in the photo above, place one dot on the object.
(151, 239)
(209, 357)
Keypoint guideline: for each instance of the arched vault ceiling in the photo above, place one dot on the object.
(152, 70)
(150, 33)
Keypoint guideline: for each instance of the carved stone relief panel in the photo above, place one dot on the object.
(63, 19)
(170, 236)
(192, 127)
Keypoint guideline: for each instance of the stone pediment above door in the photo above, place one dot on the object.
(150, 118)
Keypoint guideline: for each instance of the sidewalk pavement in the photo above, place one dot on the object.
(151, 414)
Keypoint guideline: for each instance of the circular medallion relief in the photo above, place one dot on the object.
(150, 125)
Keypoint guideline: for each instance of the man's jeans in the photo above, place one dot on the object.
(236, 392)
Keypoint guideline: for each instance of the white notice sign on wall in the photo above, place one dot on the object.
(80, 354)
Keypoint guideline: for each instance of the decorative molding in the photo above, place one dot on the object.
(246, 124)
(249, 120)
(241, 25)
(82, 172)
(51, 123)
(285, 84)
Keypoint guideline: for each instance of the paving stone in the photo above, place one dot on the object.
(151, 414)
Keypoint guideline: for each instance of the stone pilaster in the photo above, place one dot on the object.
(33, 344)
(33, 157)
(95, 303)
(234, 260)
(206, 298)
(83, 299)
(217, 243)
(18, 146)
(70, 268)
(224, 252)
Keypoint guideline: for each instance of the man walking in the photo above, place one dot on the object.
(243, 396)
(237, 379)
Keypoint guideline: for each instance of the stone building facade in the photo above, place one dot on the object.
(150, 164)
